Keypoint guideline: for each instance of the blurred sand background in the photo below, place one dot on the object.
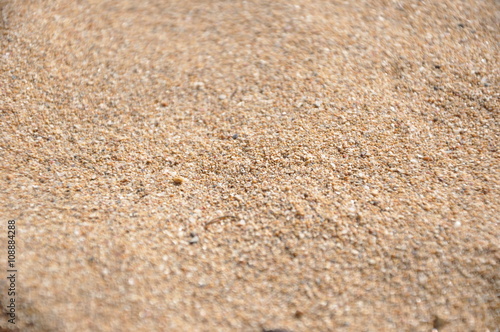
(251, 165)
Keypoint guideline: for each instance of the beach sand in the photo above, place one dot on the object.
(251, 165)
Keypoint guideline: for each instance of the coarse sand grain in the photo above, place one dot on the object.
(254, 165)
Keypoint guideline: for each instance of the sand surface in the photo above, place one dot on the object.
(251, 165)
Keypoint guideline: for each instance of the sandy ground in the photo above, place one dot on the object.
(251, 165)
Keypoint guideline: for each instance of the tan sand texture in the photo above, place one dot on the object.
(251, 165)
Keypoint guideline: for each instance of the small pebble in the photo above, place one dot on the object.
(194, 238)
(222, 97)
(178, 181)
(484, 81)
(198, 85)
